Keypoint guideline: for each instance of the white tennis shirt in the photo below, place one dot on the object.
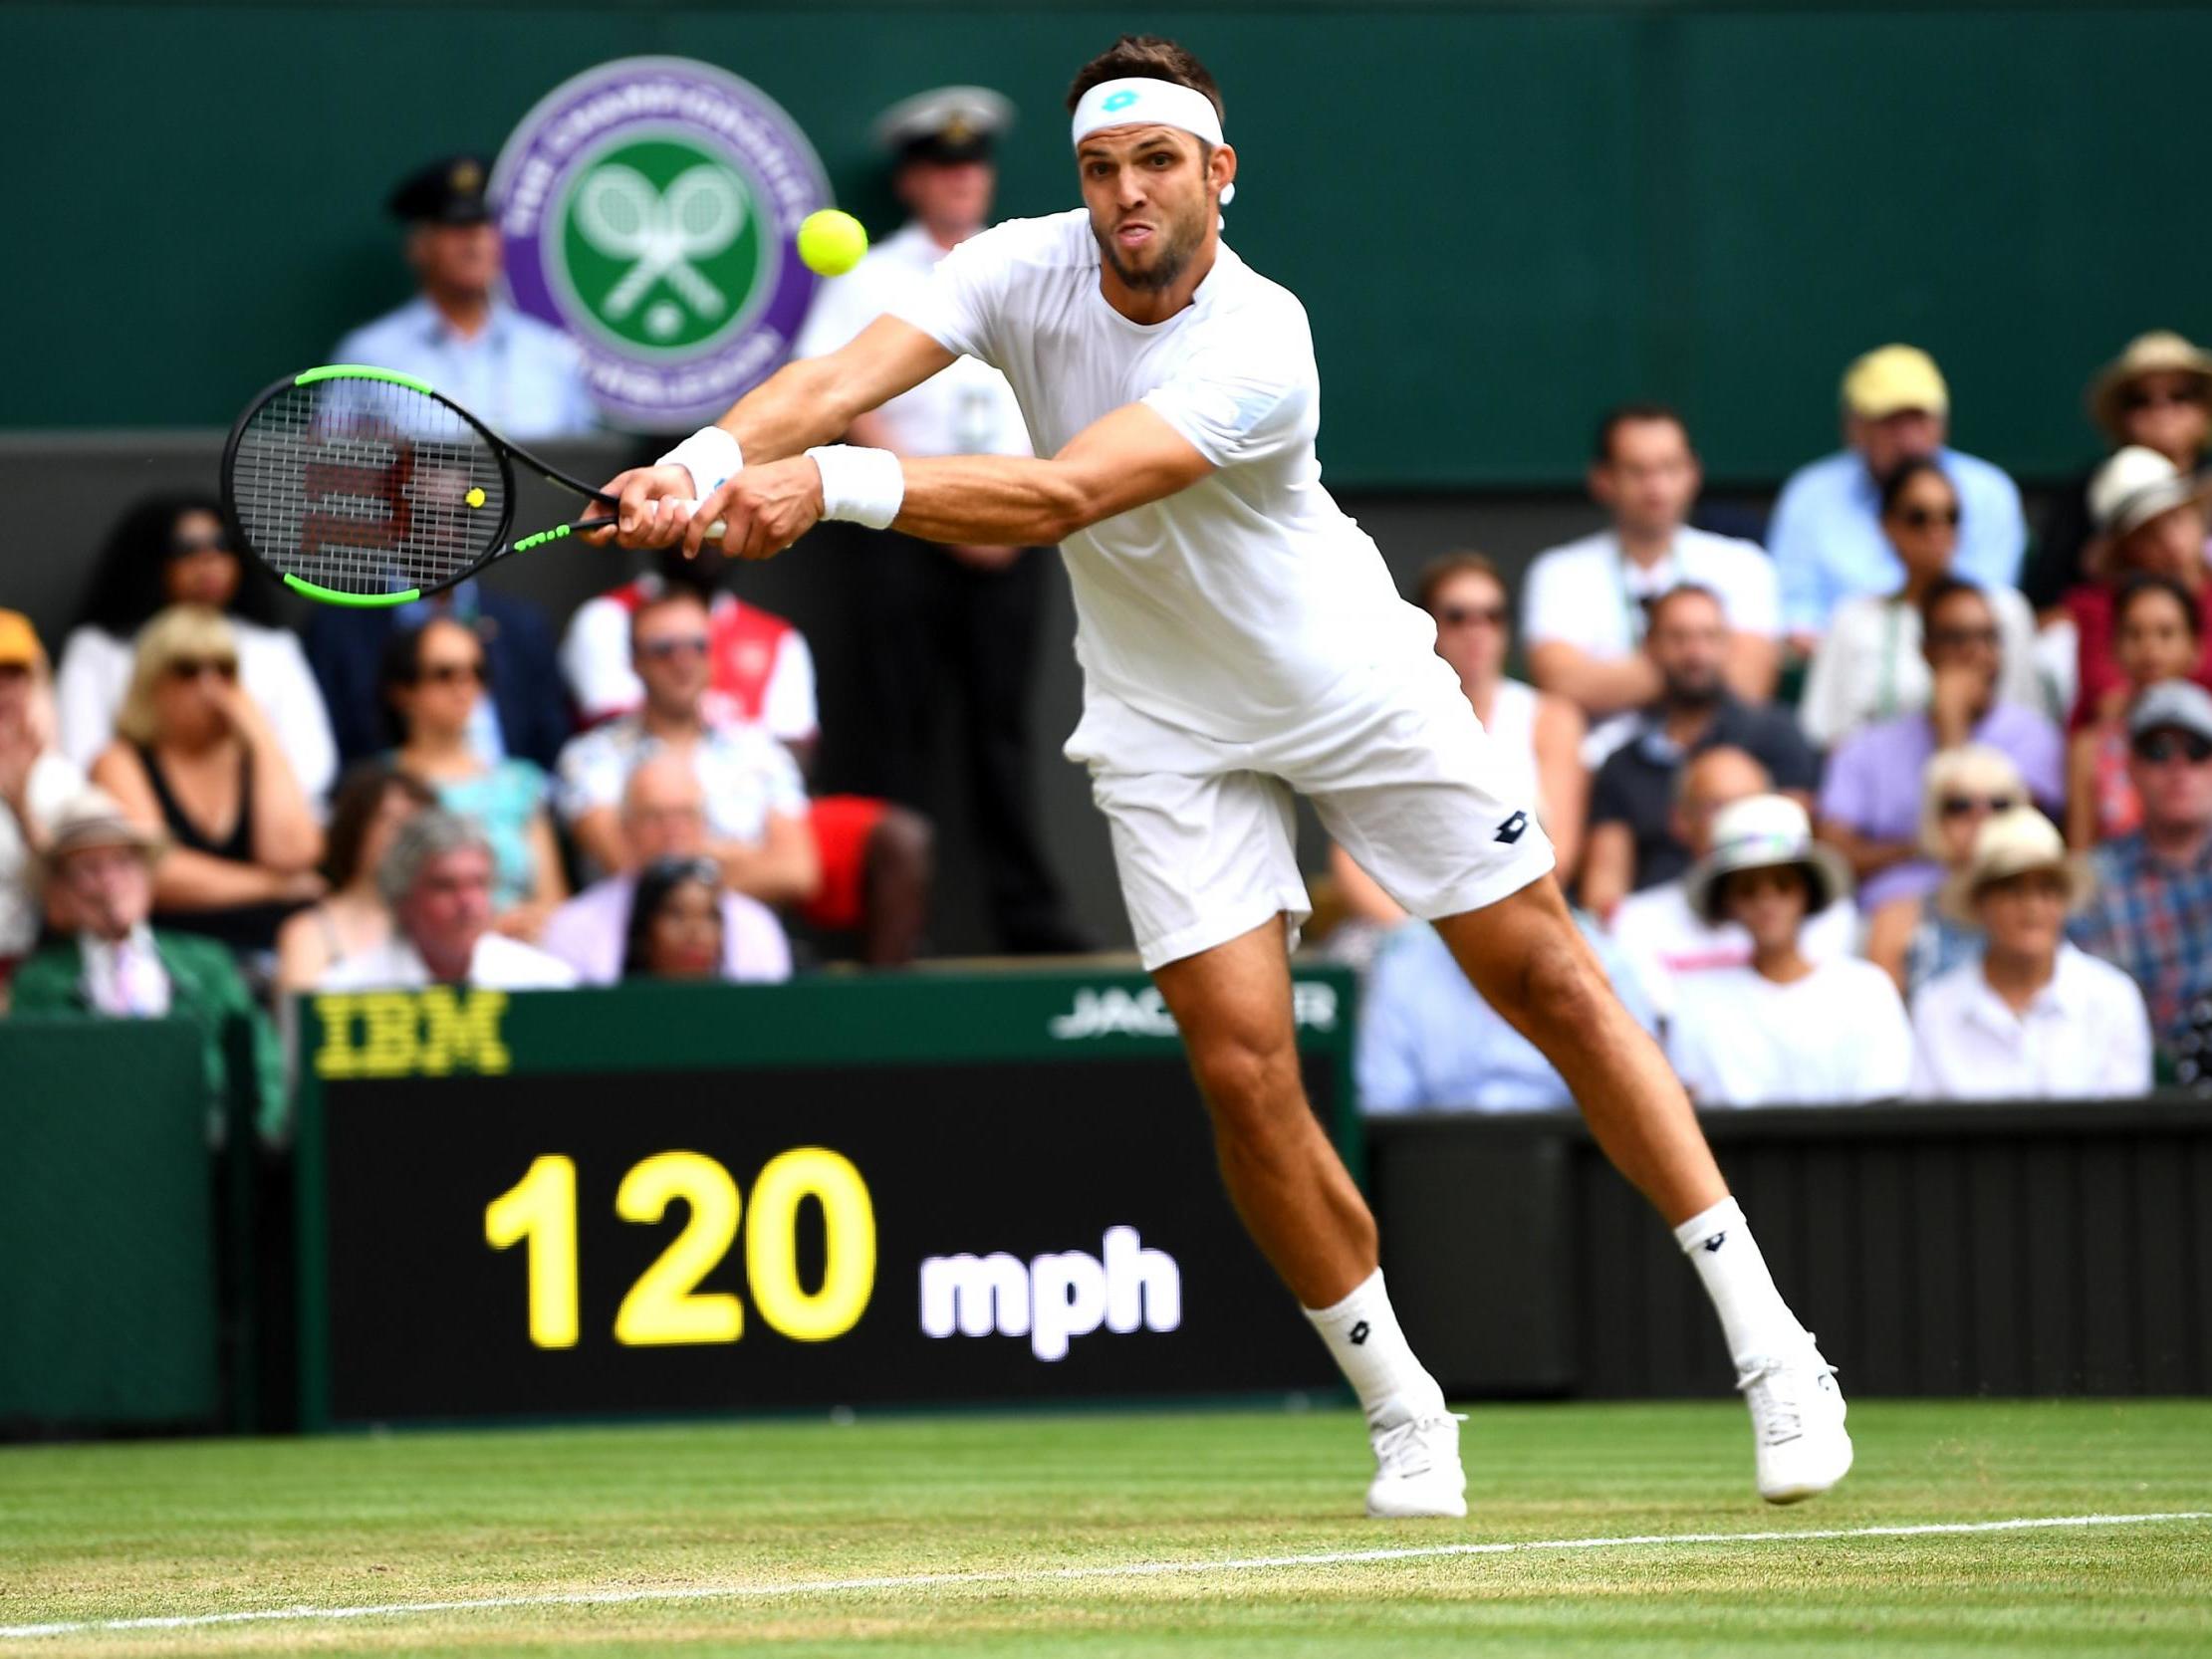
(1233, 605)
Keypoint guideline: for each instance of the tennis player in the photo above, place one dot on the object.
(1242, 640)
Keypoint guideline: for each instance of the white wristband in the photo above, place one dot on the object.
(860, 486)
(710, 455)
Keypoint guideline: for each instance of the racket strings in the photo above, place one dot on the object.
(367, 487)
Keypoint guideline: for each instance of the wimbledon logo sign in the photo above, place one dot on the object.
(648, 208)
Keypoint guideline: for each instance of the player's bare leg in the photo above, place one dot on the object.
(1298, 1201)
(1532, 965)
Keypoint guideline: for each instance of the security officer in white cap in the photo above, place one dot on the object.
(523, 378)
(933, 617)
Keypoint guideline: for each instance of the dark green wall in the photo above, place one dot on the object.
(1501, 217)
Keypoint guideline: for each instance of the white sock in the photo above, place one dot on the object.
(1753, 1318)
(1365, 1339)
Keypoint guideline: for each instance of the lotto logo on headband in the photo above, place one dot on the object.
(1119, 100)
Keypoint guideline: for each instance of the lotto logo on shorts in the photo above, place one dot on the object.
(648, 208)
(1510, 830)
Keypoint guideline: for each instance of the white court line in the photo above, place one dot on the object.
(1051, 1575)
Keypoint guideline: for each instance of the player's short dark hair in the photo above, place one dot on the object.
(1152, 57)
(1624, 414)
(1446, 567)
(2158, 582)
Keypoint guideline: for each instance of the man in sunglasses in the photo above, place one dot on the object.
(2152, 911)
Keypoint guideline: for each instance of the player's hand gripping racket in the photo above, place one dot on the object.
(362, 486)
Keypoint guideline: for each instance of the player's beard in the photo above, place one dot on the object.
(1176, 245)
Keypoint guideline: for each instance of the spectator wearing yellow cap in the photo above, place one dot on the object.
(2158, 396)
(1827, 536)
(2033, 1017)
(36, 781)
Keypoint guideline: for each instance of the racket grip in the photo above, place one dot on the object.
(714, 531)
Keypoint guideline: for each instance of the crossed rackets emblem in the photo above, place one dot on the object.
(660, 231)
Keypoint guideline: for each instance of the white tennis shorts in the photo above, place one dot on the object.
(1396, 764)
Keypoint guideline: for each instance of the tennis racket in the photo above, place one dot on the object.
(362, 486)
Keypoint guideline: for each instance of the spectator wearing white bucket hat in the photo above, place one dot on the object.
(1783, 1029)
(2151, 520)
(2035, 1018)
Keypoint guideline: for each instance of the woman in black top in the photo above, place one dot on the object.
(194, 757)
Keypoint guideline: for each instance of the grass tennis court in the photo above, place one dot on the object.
(994, 1511)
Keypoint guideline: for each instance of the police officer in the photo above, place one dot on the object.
(522, 377)
(936, 618)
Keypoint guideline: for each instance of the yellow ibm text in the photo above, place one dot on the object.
(430, 1032)
(665, 1306)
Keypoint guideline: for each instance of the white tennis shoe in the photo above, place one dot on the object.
(1417, 1465)
(1797, 1423)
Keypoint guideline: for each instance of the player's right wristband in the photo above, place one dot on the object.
(860, 486)
(710, 455)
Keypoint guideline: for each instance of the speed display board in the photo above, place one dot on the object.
(662, 1200)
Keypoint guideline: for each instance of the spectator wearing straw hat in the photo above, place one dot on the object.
(1782, 1029)
(116, 966)
(1827, 536)
(2035, 1018)
(2156, 394)
(2151, 519)
(36, 782)
(2151, 913)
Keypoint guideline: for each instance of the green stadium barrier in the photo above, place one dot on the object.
(667, 1200)
(108, 1249)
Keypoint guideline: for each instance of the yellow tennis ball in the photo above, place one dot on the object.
(831, 242)
(475, 496)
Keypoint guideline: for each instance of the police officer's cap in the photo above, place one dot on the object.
(447, 192)
(946, 123)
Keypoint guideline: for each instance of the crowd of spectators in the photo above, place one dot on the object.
(1888, 807)
(1892, 804)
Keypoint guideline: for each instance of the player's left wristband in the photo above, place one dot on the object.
(710, 455)
(860, 486)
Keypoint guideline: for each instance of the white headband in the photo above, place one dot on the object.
(1141, 100)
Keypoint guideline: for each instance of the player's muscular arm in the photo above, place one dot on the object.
(804, 403)
(1124, 459)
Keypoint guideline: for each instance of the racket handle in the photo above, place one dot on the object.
(714, 531)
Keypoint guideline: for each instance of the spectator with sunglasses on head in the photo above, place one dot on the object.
(1537, 736)
(2152, 910)
(169, 550)
(756, 804)
(1960, 790)
(433, 679)
(2158, 635)
(195, 760)
(1868, 666)
(1871, 801)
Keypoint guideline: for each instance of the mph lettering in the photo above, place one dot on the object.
(1056, 1296)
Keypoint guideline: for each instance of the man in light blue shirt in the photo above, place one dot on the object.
(1826, 535)
(1428, 1042)
(522, 377)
